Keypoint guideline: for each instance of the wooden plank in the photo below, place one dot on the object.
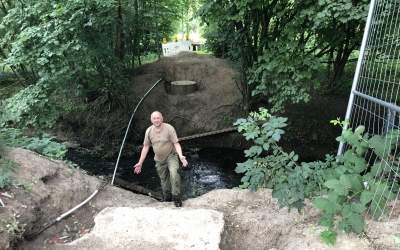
(137, 188)
(208, 134)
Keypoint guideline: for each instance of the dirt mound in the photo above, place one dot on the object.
(216, 104)
(43, 190)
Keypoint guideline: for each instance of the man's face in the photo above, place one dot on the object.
(156, 119)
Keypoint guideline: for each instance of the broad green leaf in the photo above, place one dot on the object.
(345, 182)
(379, 146)
(336, 186)
(359, 130)
(358, 208)
(242, 167)
(366, 197)
(329, 237)
(276, 137)
(357, 223)
(324, 205)
(355, 182)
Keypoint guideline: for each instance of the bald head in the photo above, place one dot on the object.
(156, 118)
(156, 113)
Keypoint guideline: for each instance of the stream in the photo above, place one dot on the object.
(209, 168)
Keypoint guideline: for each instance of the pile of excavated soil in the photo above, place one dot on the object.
(215, 105)
(44, 189)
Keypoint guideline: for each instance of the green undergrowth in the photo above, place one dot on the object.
(7, 169)
(42, 143)
(344, 188)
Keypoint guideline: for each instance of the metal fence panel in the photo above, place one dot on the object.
(374, 99)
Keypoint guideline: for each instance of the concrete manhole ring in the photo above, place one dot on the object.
(183, 87)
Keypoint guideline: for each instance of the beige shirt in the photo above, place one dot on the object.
(162, 141)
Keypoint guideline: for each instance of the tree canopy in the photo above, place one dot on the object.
(280, 46)
(74, 47)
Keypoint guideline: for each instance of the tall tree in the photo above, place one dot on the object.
(280, 44)
(56, 46)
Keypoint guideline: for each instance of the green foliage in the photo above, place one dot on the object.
(60, 50)
(339, 122)
(329, 237)
(53, 45)
(281, 44)
(384, 145)
(352, 188)
(7, 168)
(342, 187)
(268, 165)
(282, 76)
(265, 131)
(43, 144)
(304, 181)
(8, 85)
(58, 41)
(23, 108)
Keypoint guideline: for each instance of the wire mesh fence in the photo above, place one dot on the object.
(374, 101)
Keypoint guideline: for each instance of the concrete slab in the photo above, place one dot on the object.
(149, 228)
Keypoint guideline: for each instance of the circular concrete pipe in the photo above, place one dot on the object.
(183, 87)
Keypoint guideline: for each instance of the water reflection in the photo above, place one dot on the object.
(208, 169)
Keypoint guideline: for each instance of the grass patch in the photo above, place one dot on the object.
(7, 168)
(149, 58)
(43, 143)
(204, 52)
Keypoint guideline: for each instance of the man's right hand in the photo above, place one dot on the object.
(137, 168)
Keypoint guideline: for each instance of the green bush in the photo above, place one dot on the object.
(42, 144)
(22, 109)
(268, 165)
(353, 187)
(342, 187)
(6, 170)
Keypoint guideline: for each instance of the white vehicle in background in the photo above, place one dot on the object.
(173, 48)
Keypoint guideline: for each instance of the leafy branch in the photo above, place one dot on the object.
(342, 187)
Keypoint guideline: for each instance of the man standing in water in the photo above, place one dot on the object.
(162, 137)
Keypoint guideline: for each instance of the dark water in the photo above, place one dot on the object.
(208, 169)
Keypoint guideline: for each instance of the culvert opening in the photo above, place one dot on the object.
(181, 87)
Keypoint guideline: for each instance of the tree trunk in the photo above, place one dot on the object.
(119, 40)
(3, 8)
(338, 66)
(136, 33)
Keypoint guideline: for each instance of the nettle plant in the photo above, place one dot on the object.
(342, 187)
(7, 168)
(353, 187)
(261, 169)
(268, 165)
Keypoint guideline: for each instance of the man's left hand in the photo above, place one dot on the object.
(184, 161)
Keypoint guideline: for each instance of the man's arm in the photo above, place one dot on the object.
(143, 154)
(178, 150)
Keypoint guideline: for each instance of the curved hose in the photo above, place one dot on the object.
(59, 218)
(129, 125)
(77, 207)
